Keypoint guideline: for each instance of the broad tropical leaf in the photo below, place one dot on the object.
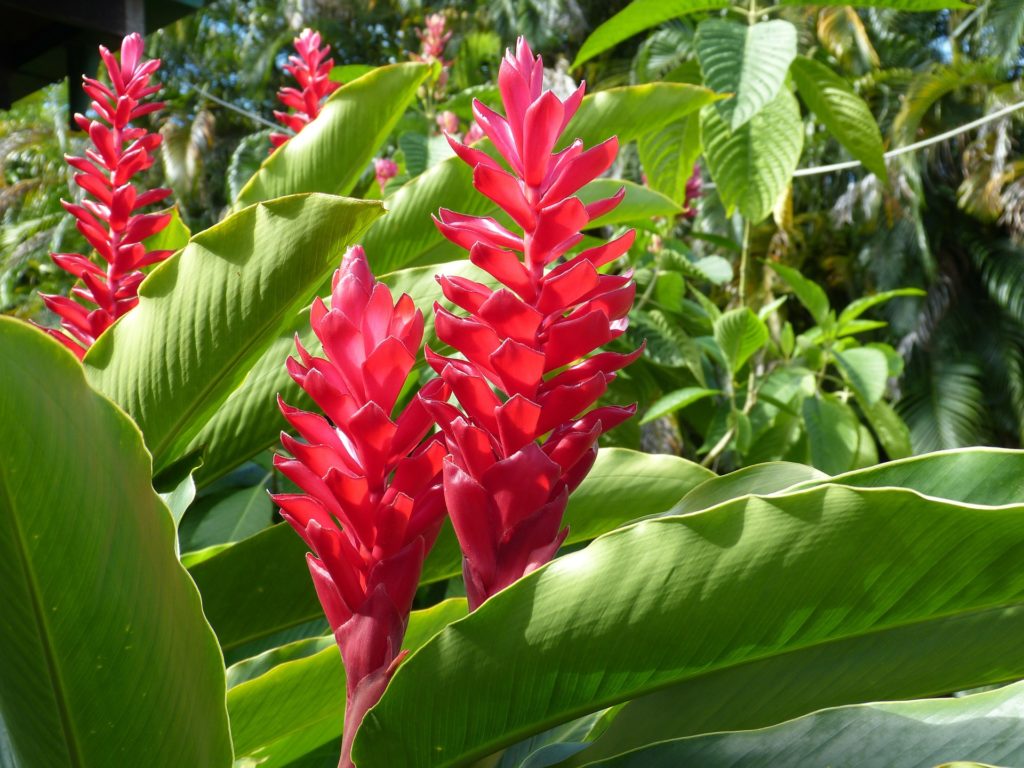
(207, 314)
(749, 62)
(842, 111)
(740, 333)
(753, 165)
(911, 734)
(758, 479)
(867, 370)
(636, 17)
(675, 400)
(94, 669)
(407, 236)
(896, 5)
(882, 593)
(668, 156)
(808, 292)
(299, 706)
(331, 153)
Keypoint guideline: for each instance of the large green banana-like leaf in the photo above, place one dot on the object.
(105, 657)
(896, 5)
(331, 153)
(747, 614)
(636, 17)
(986, 727)
(758, 479)
(261, 586)
(207, 314)
(748, 61)
(298, 707)
(407, 236)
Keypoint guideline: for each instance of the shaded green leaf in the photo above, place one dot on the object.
(676, 400)
(740, 333)
(808, 292)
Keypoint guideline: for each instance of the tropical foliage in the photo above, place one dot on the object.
(771, 563)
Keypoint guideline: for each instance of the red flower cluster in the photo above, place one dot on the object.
(374, 476)
(311, 70)
(528, 340)
(110, 221)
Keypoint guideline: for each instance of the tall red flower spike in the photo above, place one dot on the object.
(311, 69)
(110, 221)
(373, 500)
(528, 340)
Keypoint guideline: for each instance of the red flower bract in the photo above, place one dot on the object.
(525, 374)
(373, 501)
(311, 69)
(109, 220)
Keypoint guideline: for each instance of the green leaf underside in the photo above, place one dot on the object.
(749, 62)
(858, 581)
(636, 17)
(207, 315)
(331, 153)
(842, 111)
(753, 165)
(911, 734)
(94, 671)
(296, 707)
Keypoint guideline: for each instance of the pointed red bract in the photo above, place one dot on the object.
(110, 221)
(515, 458)
(372, 500)
(311, 67)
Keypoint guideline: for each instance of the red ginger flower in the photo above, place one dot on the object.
(373, 502)
(311, 70)
(109, 221)
(506, 493)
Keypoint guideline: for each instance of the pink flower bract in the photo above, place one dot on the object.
(311, 68)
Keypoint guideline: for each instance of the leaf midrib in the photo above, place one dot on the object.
(57, 685)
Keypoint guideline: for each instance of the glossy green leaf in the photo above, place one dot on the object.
(740, 333)
(867, 370)
(331, 153)
(808, 292)
(173, 237)
(640, 203)
(891, 431)
(753, 165)
(299, 706)
(636, 17)
(237, 516)
(748, 61)
(896, 5)
(207, 314)
(867, 594)
(676, 400)
(841, 111)
(407, 236)
(911, 734)
(105, 657)
(859, 306)
(668, 156)
(759, 479)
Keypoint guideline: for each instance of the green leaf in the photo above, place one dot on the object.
(207, 314)
(866, 369)
(346, 73)
(842, 111)
(749, 61)
(869, 594)
(910, 734)
(669, 155)
(173, 237)
(241, 514)
(753, 165)
(833, 433)
(107, 659)
(331, 153)
(740, 333)
(676, 400)
(407, 236)
(299, 706)
(760, 479)
(858, 307)
(808, 292)
(896, 5)
(640, 203)
(636, 17)
(891, 431)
